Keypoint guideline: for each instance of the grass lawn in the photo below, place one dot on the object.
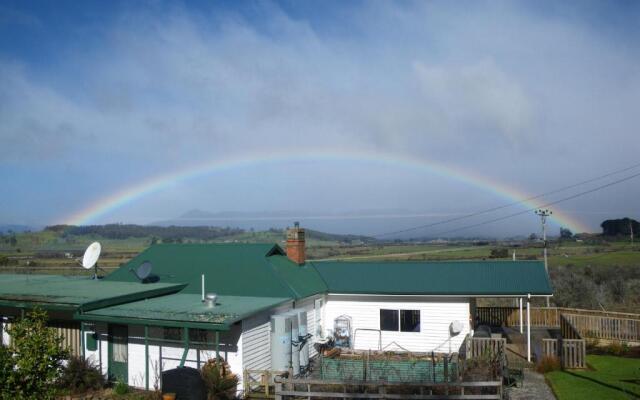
(611, 379)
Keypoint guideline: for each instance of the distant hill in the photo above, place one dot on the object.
(180, 233)
(6, 228)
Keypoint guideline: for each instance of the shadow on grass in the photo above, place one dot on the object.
(608, 385)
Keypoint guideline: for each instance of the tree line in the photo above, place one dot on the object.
(622, 226)
(165, 233)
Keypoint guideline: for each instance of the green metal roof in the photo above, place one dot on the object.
(260, 270)
(184, 310)
(481, 278)
(70, 293)
(303, 280)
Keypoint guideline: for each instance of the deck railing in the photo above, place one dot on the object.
(604, 327)
(587, 324)
(510, 316)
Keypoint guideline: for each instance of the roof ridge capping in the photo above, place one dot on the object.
(388, 261)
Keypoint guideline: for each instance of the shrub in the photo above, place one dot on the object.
(499, 253)
(6, 372)
(33, 362)
(617, 349)
(220, 382)
(81, 375)
(548, 364)
(592, 344)
(120, 388)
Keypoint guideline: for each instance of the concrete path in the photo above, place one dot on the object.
(534, 387)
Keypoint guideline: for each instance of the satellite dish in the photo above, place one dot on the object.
(144, 270)
(90, 258)
(455, 328)
(91, 255)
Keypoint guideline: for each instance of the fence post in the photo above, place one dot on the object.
(433, 366)
(382, 391)
(278, 392)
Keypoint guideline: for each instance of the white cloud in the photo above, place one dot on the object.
(481, 88)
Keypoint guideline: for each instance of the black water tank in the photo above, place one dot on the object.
(185, 382)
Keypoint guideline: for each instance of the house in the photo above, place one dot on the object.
(134, 329)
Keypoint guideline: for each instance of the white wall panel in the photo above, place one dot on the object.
(436, 314)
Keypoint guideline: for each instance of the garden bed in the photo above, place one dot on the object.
(389, 367)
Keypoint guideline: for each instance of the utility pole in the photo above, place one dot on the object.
(631, 229)
(543, 214)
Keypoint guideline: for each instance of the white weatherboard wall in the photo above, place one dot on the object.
(256, 345)
(436, 314)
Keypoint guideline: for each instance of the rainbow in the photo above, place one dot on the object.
(161, 182)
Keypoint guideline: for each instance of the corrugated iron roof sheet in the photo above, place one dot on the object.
(65, 292)
(230, 269)
(482, 278)
(178, 309)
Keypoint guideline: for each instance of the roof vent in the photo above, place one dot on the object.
(210, 299)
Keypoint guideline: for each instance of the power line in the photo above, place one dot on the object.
(542, 206)
(488, 210)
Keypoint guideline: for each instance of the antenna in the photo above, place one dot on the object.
(143, 271)
(90, 258)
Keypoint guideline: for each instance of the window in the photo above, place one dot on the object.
(388, 320)
(173, 334)
(400, 320)
(200, 336)
(409, 320)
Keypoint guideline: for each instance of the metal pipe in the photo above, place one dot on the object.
(203, 288)
(520, 303)
(185, 337)
(217, 345)
(82, 340)
(146, 357)
(528, 330)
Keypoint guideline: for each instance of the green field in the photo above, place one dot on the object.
(610, 378)
(594, 273)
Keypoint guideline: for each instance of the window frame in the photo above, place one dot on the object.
(418, 323)
(399, 320)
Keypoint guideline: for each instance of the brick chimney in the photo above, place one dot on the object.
(296, 244)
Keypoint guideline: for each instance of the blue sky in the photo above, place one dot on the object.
(96, 96)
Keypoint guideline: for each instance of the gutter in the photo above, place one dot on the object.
(152, 322)
(441, 295)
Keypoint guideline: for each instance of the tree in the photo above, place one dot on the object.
(34, 361)
(615, 227)
(533, 237)
(565, 233)
(499, 253)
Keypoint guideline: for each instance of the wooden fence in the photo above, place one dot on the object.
(326, 389)
(572, 353)
(591, 324)
(603, 327)
(257, 383)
